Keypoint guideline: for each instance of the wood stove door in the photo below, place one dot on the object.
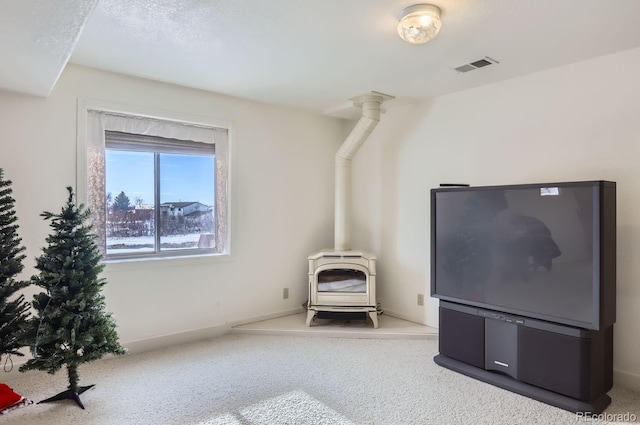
(341, 285)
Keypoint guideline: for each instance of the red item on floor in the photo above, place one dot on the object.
(9, 398)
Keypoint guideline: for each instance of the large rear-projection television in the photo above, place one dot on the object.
(526, 277)
(545, 251)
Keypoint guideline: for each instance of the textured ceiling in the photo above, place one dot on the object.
(37, 38)
(307, 53)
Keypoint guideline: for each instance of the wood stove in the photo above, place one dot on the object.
(342, 282)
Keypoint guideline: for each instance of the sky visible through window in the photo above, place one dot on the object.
(183, 178)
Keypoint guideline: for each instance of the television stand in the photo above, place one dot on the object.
(570, 368)
(531, 391)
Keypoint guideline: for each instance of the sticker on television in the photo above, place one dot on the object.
(549, 191)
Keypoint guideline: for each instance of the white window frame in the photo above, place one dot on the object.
(223, 153)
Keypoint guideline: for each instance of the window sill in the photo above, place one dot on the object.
(119, 264)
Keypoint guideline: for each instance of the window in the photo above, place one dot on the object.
(156, 188)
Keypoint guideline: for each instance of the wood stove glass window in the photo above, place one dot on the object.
(342, 280)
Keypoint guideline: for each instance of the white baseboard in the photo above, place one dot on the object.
(626, 379)
(402, 316)
(155, 342)
(168, 340)
(135, 346)
(266, 317)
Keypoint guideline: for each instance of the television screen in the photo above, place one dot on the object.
(533, 250)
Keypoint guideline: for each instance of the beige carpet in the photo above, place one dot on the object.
(243, 379)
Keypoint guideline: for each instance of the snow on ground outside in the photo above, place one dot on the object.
(145, 243)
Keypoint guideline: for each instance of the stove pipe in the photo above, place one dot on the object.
(370, 105)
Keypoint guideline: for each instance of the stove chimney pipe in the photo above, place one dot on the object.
(370, 105)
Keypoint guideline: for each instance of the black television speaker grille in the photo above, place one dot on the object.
(461, 337)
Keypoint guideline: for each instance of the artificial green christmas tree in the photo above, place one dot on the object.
(70, 326)
(14, 310)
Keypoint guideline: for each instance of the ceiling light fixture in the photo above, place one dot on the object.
(419, 23)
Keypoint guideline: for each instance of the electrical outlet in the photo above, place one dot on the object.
(420, 299)
(285, 293)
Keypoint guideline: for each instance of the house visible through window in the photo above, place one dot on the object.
(156, 188)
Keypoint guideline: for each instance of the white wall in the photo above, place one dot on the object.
(578, 122)
(282, 189)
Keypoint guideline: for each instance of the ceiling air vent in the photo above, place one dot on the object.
(465, 68)
(476, 64)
